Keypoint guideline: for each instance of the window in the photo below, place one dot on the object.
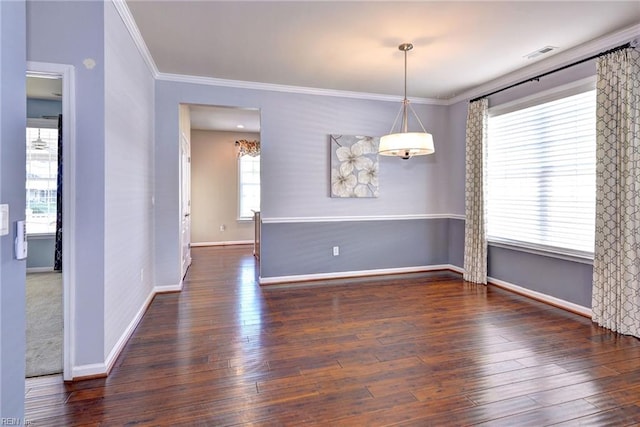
(540, 169)
(249, 185)
(41, 183)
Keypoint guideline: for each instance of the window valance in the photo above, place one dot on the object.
(248, 148)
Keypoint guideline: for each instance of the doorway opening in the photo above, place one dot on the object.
(44, 300)
(225, 175)
(49, 189)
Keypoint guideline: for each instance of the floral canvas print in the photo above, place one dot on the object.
(354, 166)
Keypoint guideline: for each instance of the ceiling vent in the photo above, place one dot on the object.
(539, 52)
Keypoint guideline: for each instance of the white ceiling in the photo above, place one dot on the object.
(44, 87)
(353, 46)
(225, 119)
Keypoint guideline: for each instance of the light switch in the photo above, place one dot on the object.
(4, 220)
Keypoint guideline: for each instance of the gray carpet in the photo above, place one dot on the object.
(44, 324)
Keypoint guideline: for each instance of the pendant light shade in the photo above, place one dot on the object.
(406, 144)
(403, 143)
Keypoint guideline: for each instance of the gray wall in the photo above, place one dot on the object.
(38, 108)
(295, 132)
(564, 279)
(129, 172)
(456, 242)
(41, 250)
(69, 32)
(306, 248)
(12, 170)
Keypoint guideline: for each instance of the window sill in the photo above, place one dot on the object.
(574, 256)
(37, 236)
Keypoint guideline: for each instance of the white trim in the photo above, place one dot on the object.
(543, 251)
(558, 60)
(227, 243)
(239, 84)
(85, 371)
(103, 369)
(548, 299)
(40, 270)
(347, 274)
(455, 268)
(124, 338)
(90, 370)
(278, 220)
(67, 72)
(134, 32)
(168, 288)
(40, 236)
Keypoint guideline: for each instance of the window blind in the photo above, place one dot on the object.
(540, 169)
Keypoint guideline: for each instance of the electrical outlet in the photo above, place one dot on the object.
(142, 274)
(336, 250)
(223, 227)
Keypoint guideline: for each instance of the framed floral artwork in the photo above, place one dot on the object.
(354, 166)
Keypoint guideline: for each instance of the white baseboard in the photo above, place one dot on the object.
(168, 288)
(548, 299)
(103, 369)
(227, 243)
(124, 338)
(455, 268)
(92, 370)
(40, 270)
(347, 274)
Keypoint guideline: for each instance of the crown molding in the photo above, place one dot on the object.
(558, 60)
(240, 84)
(134, 32)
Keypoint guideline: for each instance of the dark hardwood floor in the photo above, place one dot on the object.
(423, 350)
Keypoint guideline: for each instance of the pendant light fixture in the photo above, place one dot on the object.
(38, 144)
(403, 143)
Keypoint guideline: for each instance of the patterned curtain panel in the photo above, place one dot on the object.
(475, 239)
(57, 257)
(616, 264)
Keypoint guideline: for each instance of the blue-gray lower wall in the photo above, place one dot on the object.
(40, 252)
(304, 248)
(456, 242)
(568, 280)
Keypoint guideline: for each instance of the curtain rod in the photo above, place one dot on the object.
(539, 76)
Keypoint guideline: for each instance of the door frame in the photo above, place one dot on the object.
(185, 189)
(67, 73)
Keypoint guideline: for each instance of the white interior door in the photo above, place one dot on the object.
(185, 203)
